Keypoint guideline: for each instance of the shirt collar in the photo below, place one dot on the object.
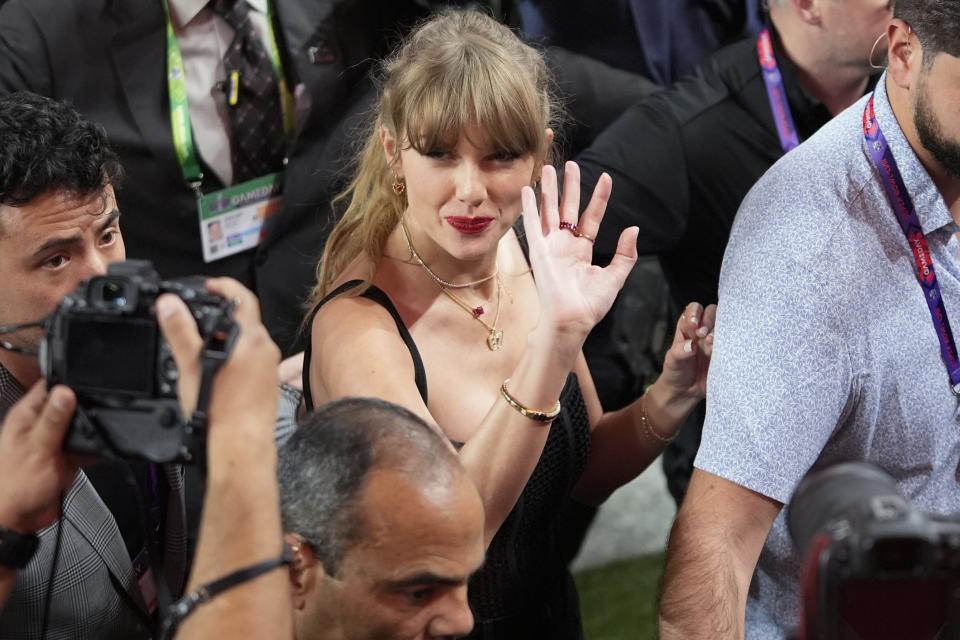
(184, 11)
(931, 208)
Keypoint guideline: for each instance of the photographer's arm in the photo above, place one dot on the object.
(241, 516)
(33, 469)
(713, 550)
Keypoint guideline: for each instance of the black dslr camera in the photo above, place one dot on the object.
(103, 342)
(875, 567)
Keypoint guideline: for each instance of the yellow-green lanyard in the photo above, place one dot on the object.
(180, 107)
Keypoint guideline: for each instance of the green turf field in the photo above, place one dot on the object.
(618, 601)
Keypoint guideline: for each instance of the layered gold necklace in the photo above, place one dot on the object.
(494, 335)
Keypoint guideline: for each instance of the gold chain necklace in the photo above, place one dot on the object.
(495, 335)
(440, 281)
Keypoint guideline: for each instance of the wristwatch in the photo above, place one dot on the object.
(16, 549)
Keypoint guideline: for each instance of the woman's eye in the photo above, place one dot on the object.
(505, 156)
(437, 154)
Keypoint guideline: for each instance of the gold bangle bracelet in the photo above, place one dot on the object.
(646, 423)
(539, 416)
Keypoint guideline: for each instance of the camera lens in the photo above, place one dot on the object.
(114, 293)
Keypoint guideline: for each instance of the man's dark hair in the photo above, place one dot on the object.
(936, 23)
(46, 146)
(324, 466)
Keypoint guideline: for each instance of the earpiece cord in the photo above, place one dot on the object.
(14, 328)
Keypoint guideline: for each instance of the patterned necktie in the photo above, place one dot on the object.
(257, 138)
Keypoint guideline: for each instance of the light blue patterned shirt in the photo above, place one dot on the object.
(825, 350)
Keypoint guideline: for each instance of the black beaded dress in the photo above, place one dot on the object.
(524, 590)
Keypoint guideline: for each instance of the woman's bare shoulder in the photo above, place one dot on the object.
(351, 315)
(358, 350)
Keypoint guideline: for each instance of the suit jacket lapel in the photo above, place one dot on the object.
(300, 23)
(308, 33)
(138, 48)
(95, 524)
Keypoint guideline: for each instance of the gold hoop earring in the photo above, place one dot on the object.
(399, 186)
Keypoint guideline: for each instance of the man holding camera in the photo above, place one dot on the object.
(66, 568)
(241, 532)
(839, 302)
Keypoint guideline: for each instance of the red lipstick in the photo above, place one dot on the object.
(469, 225)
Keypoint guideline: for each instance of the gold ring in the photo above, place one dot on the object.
(580, 234)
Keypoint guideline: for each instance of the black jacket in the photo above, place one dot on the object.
(683, 159)
(108, 58)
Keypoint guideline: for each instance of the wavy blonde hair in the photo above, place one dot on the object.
(456, 70)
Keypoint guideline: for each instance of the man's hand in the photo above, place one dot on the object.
(245, 392)
(33, 468)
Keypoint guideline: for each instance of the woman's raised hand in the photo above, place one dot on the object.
(574, 294)
(688, 359)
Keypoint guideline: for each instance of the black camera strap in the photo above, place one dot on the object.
(199, 419)
(216, 350)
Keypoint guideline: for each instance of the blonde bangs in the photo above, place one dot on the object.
(458, 72)
(475, 89)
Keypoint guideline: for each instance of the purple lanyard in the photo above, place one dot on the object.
(906, 213)
(777, 93)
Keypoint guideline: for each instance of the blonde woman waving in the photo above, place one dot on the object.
(431, 295)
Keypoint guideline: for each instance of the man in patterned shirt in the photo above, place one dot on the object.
(833, 342)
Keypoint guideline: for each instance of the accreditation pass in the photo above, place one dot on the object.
(232, 219)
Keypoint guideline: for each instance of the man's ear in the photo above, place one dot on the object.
(390, 150)
(904, 53)
(303, 570)
(808, 10)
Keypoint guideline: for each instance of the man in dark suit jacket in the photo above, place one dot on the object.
(109, 58)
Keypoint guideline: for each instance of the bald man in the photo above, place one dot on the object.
(385, 526)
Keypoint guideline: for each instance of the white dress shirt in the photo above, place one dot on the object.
(204, 36)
